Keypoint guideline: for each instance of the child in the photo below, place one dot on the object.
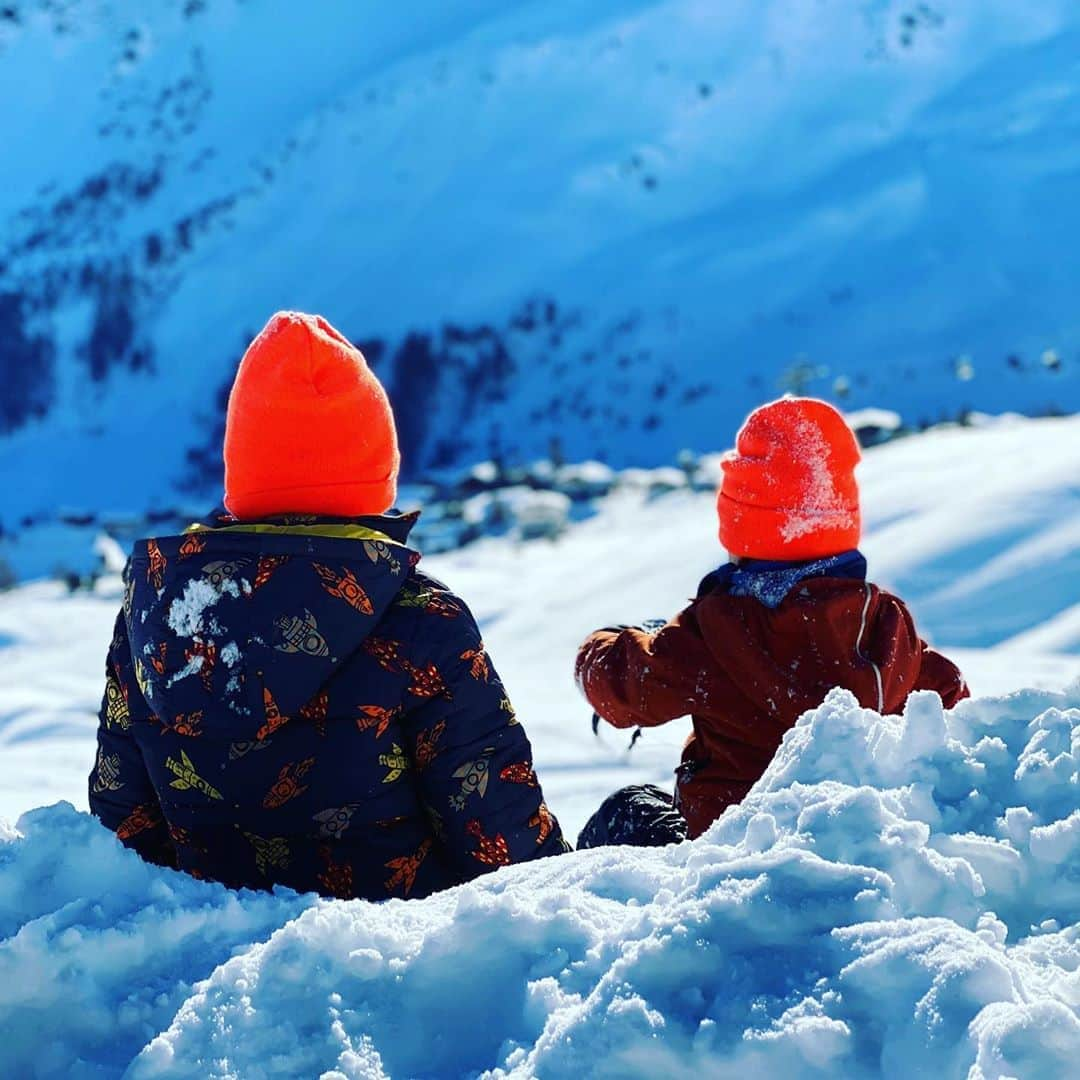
(769, 634)
(288, 699)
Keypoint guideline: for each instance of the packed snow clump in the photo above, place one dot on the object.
(898, 896)
(187, 615)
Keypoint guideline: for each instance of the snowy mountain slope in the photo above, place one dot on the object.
(895, 896)
(618, 223)
(975, 527)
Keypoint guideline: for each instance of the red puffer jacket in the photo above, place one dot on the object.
(744, 671)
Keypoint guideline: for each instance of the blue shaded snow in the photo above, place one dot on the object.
(896, 896)
(619, 224)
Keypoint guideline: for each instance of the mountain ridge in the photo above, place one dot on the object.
(864, 203)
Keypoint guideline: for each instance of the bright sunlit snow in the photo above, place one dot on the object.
(895, 895)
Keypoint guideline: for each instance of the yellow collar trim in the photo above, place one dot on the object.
(339, 532)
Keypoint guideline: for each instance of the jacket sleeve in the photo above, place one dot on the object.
(939, 673)
(908, 663)
(472, 758)
(121, 794)
(633, 678)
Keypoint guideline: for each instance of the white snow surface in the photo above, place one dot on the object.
(709, 195)
(896, 895)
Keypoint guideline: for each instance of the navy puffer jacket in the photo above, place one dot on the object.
(292, 702)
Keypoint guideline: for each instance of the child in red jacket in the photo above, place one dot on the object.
(768, 635)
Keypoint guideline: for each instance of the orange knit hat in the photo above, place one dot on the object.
(789, 489)
(309, 427)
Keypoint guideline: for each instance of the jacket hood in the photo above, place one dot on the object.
(216, 613)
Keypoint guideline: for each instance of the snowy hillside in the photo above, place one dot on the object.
(619, 223)
(979, 528)
(896, 896)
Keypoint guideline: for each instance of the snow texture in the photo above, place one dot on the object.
(886, 902)
(896, 897)
(187, 614)
(662, 210)
(823, 507)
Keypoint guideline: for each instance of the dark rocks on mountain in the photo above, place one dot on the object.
(413, 389)
(27, 363)
(480, 366)
(124, 288)
(374, 349)
(112, 337)
(205, 471)
(921, 17)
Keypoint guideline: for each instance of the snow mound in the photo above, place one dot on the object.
(897, 894)
(98, 949)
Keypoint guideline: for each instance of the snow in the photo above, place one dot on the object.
(98, 950)
(883, 419)
(485, 472)
(585, 479)
(881, 904)
(112, 555)
(976, 527)
(896, 896)
(187, 613)
(714, 200)
(652, 480)
(545, 514)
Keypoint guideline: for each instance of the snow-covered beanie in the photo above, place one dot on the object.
(309, 427)
(789, 490)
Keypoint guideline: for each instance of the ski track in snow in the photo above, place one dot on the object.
(895, 895)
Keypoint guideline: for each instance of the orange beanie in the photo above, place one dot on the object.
(789, 489)
(309, 427)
